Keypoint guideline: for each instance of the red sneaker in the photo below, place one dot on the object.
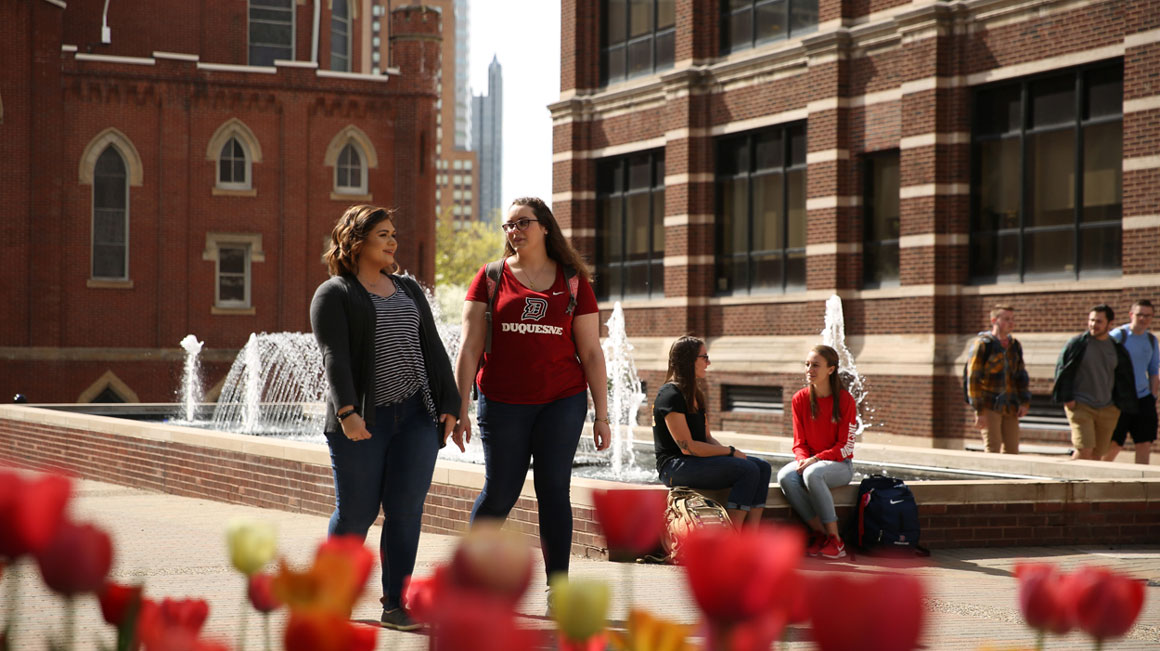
(816, 542)
(833, 548)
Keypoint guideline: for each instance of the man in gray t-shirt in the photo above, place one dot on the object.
(1093, 380)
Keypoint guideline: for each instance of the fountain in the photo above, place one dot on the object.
(190, 394)
(834, 336)
(276, 385)
(624, 394)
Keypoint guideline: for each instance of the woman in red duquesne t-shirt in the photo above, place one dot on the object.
(824, 422)
(533, 384)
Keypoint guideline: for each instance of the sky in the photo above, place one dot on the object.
(525, 36)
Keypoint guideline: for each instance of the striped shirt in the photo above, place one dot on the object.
(399, 368)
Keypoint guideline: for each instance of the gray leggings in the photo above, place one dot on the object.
(809, 492)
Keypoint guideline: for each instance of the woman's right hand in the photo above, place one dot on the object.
(355, 428)
(462, 433)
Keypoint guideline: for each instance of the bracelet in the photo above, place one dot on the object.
(732, 450)
(342, 416)
(602, 420)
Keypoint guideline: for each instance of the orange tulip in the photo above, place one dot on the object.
(318, 630)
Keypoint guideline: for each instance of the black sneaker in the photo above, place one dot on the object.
(398, 619)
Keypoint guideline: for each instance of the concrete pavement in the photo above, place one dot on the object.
(176, 547)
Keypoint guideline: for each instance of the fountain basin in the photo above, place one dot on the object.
(295, 476)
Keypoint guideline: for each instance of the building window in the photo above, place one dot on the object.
(638, 37)
(630, 231)
(349, 172)
(271, 31)
(748, 23)
(757, 399)
(110, 216)
(233, 255)
(340, 36)
(761, 208)
(1046, 178)
(233, 166)
(880, 220)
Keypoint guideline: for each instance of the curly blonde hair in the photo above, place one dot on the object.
(350, 231)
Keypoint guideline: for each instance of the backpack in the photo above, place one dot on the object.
(689, 510)
(885, 517)
(492, 272)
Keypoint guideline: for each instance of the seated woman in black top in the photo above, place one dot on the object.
(687, 454)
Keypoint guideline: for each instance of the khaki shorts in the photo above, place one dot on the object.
(1091, 427)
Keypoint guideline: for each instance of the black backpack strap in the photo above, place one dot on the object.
(493, 272)
(572, 282)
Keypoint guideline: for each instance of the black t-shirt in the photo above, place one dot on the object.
(669, 399)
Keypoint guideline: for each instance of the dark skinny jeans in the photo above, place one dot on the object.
(393, 469)
(747, 479)
(512, 435)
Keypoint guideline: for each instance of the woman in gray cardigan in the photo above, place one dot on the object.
(392, 393)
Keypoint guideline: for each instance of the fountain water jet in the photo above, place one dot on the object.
(191, 389)
(834, 336)
(276, 385)
(624, 392)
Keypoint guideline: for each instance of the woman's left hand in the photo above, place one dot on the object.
(601, 435)
(448, 423)
(806, 463)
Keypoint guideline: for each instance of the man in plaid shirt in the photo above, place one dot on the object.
(997, 384)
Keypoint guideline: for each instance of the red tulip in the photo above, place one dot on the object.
(632, 520)
(738, 575)
(493, 561)
(31, 511)
(76, 560)
(173, 624)
(319, 630)
(1044, 597)
(421, 595)
(261, 593)
(474, 620)
(1105, 604)
(884, 612)
(119, 601)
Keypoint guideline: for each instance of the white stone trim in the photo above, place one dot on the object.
(357, 76)
(1141, 163)
(68, 48)
(827, 155)
(833, 201)
(1046, 65)
(1142, 104)
(57, 3)
(684, 179)
(1142, 38)
(232, 67)
(833, 248)
(1141, 221)
(134, 168)
(687, 220)
(108, 58)
(759, 122)
(933, 139)
(932, 189)
(561, 156)
(688, 260)
(176, 56)
(626, 148)
(933, 239)
(686, 132)
(572, 195)
(578, 232)
(291, 63)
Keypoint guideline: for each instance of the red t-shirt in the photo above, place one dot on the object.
(821, 437)
(533, 357)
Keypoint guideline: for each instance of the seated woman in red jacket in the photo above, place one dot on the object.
(824, 422)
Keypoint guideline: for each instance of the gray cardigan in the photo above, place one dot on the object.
(343, 319)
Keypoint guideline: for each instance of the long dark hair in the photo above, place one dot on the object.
(836, 388)
(559, 249)
(683, 370)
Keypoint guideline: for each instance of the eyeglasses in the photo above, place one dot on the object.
(521, 224)
(704, 357)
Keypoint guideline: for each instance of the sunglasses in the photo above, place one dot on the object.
(521, 224)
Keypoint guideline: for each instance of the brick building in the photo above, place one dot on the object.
(161, 177)
(730, 164)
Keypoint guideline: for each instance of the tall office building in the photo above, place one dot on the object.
(487, 140)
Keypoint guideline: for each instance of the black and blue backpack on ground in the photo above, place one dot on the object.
(885, 518)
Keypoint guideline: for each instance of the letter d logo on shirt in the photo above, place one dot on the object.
(534, 309)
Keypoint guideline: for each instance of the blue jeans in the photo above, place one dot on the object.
(809, 492)
(747, 479)
(393, 469)
(512, 435)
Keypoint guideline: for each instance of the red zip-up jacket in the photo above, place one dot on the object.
(821, 437)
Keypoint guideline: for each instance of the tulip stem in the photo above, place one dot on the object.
(266, 629)
(1040, 640)
(13, 575)
(242, 612)
(628, 589)
(70, 622)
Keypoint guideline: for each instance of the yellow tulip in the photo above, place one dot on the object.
(648, 633)
(251, 543)
(580, 606)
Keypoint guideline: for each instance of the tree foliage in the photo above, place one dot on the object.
(460, 252)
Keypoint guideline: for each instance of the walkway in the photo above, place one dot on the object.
(176, 546)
